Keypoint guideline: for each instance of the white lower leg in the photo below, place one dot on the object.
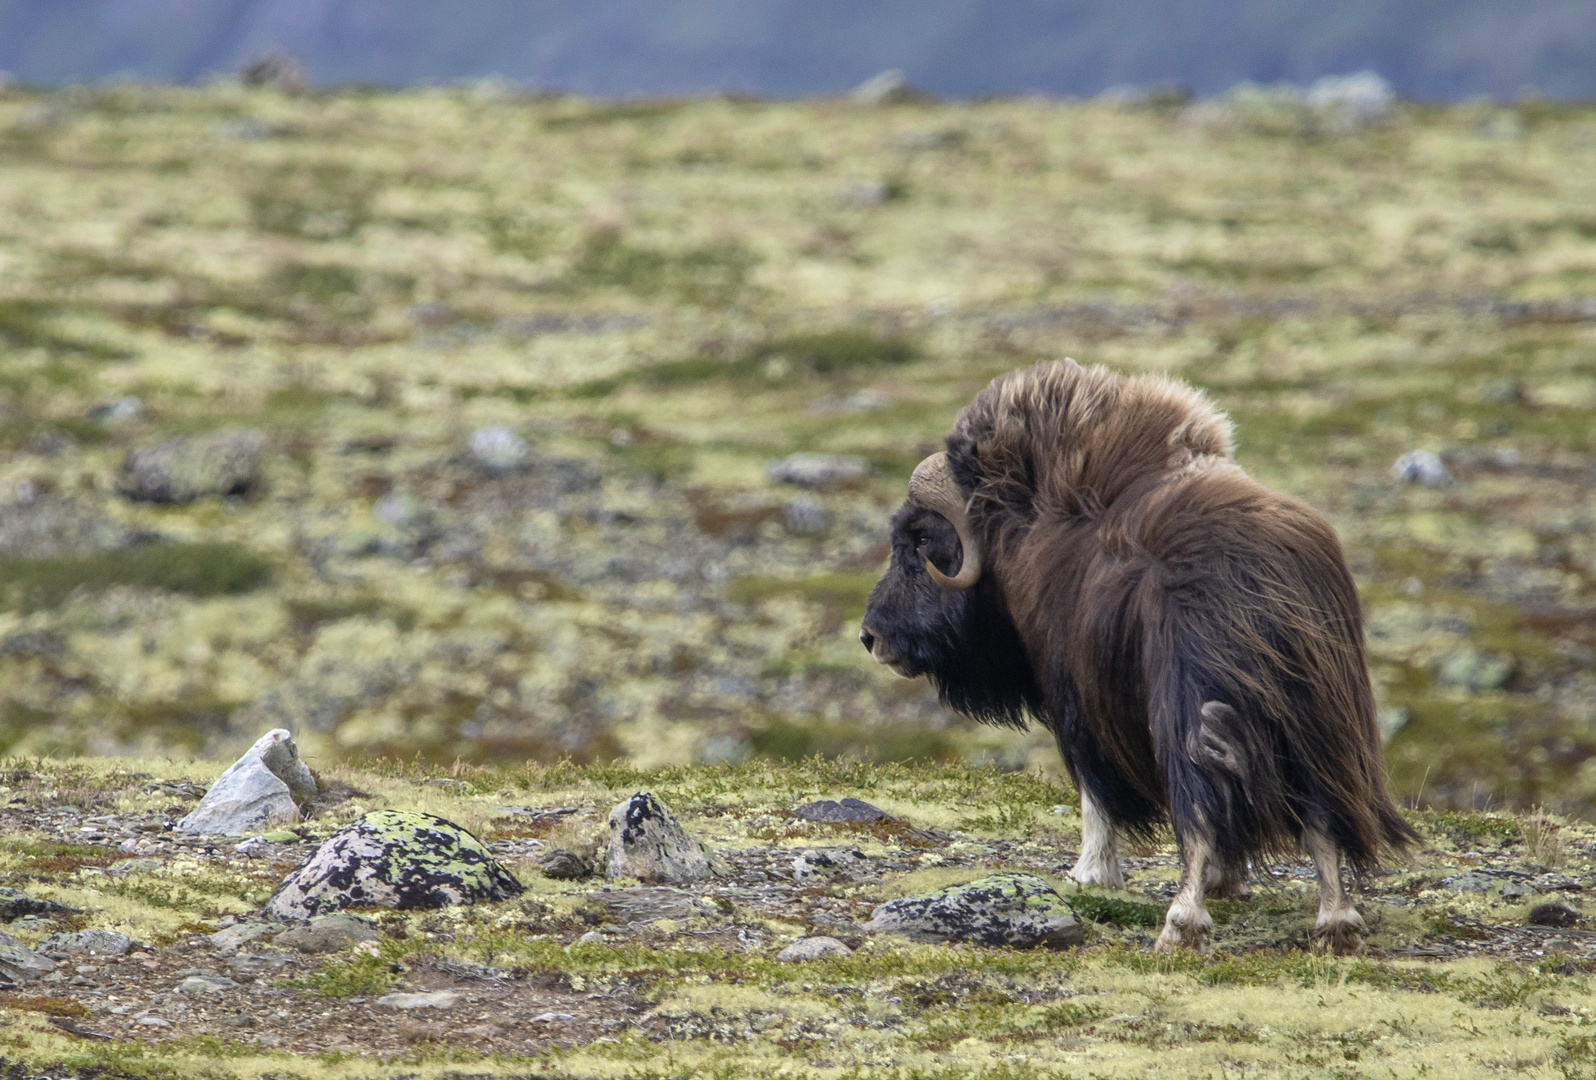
(1099, 861)
(1188, 922)
(1339, 927)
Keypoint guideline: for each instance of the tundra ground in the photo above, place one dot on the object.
(683, 982)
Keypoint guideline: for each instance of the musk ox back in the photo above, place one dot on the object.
(1087, 554)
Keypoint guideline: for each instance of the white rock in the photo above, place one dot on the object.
(259, 791)
(1420, 467)
(887, 88)
(647, 843)
(1355, 101)
(206, 984)
(498, 449)
(551, 1018)
(152, 1021)
(813, 948)
(437, 999)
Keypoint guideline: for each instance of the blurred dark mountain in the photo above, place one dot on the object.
(1432, 49)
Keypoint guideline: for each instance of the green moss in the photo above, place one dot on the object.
(200, 570)
(784, 740)
(711, 274)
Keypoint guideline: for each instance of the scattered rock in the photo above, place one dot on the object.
(1351, 102)
(39, 527)
(194, 467)
(1420, 467)
(890, 87)
(127, 408)
(20, 964)
(1504, 392)
(647, 843)
(498, 449)
(15, 904)
(820, 471)
(206, 984)
(868, 193)
(1553, 914)
(805, 516)
(565, 865)
(152, 1021)
(276, 70)
(98, 942)
(1471, 881)
(328, 933)
(813, 948)
(651, 905)
(812, 862)
(1391, 721)
(1517, 890)
(262, 789)
(1474, 671)
(846, 812)
(1004, 909)
(236, 937)
(436, 999)
(395, 859)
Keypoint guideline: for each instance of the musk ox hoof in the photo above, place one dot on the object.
(1185, 927)
(1100, 872)
(1340, 934)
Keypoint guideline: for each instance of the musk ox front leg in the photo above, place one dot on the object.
(1099, 861)
(1339, 928)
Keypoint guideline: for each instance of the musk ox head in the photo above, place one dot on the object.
(934, 614)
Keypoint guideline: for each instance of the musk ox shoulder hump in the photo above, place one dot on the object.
(1065, 426)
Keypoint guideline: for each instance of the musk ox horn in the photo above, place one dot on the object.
(932, 487)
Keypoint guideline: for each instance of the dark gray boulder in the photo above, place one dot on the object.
(846, 812)
(565, 865)
(14, 904)
(1016, 910)
(20, 964)
(193, 467)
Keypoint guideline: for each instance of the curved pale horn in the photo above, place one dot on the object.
(932, 487)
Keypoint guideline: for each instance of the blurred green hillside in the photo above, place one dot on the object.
(439, 423)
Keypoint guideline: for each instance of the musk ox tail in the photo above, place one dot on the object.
(1260, 705)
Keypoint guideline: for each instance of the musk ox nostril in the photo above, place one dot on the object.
(867, 639)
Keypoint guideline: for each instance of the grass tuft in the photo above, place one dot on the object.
(200, 570)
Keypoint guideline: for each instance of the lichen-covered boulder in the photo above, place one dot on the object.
(1004, 909)
(263, 789)
(194, 467)
(647, 843)
(393, 859)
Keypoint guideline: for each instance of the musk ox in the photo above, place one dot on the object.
(1087, 553)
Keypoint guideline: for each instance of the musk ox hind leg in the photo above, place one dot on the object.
(1099, 861)
(1188, 922)
(1339, 928)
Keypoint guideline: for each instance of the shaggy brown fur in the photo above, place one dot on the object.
(1192, 639)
